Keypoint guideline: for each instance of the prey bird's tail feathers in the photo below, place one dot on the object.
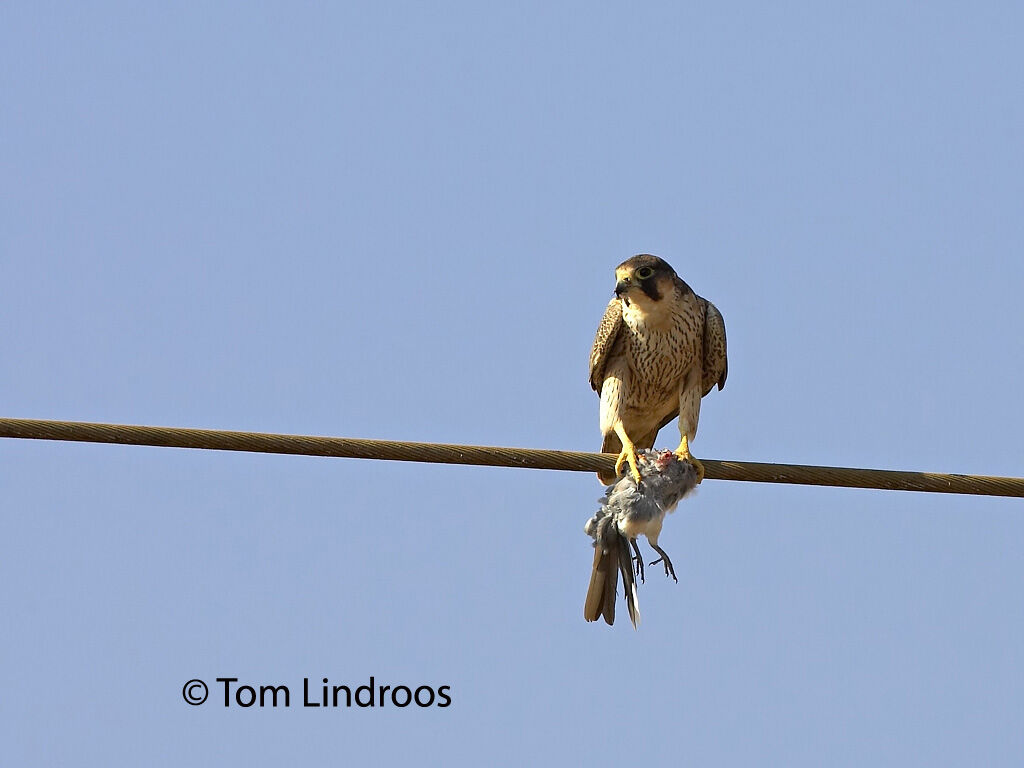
(628, 581)
(611, 557)
(604, 579)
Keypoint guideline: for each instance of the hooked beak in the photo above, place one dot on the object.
(622, 287)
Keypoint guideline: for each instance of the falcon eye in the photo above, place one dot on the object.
(644, 272)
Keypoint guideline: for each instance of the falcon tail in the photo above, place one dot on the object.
(609, 562)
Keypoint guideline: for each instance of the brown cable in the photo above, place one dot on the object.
(531, 458)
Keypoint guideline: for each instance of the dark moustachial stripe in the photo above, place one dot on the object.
(650, 287)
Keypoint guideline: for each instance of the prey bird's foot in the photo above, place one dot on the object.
(638, 561)
(666, 561)
(628, 454)
(685, 455)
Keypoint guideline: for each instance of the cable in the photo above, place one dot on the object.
(530, 458)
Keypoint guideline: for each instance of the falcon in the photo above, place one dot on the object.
(659, 349)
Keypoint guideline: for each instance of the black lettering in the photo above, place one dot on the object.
(273, 690)
(370, 689)
(394, 695)
(305, 694)
(227, 688)
(348, 695)
(252, 695)
(429, 690)
(442, 695)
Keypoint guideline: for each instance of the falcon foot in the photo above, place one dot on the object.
(628, 454)
(666, 561)
(638, 560)
(684, 454)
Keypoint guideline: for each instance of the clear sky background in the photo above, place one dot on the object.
(401, 221)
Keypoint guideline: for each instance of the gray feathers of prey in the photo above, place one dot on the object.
(664, 478)
(627, 509)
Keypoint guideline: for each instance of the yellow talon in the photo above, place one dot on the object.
(628, 454)
(683, 452)
(698, 466)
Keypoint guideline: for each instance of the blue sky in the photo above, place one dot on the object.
(401, 221)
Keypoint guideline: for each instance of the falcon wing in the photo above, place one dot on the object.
(716, 364)
(604, 341)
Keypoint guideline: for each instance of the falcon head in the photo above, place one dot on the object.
(644, 280)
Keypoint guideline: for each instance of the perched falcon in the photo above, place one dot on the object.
(659, 349)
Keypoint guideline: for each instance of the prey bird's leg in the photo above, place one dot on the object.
(628, 453)
(638, 560)
(669, 570)
(683, 452)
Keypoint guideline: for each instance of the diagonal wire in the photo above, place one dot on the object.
(530, 458)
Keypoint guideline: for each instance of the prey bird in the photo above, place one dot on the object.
(630, 509)
(659, 349)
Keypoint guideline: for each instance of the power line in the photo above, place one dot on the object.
(530, 458)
